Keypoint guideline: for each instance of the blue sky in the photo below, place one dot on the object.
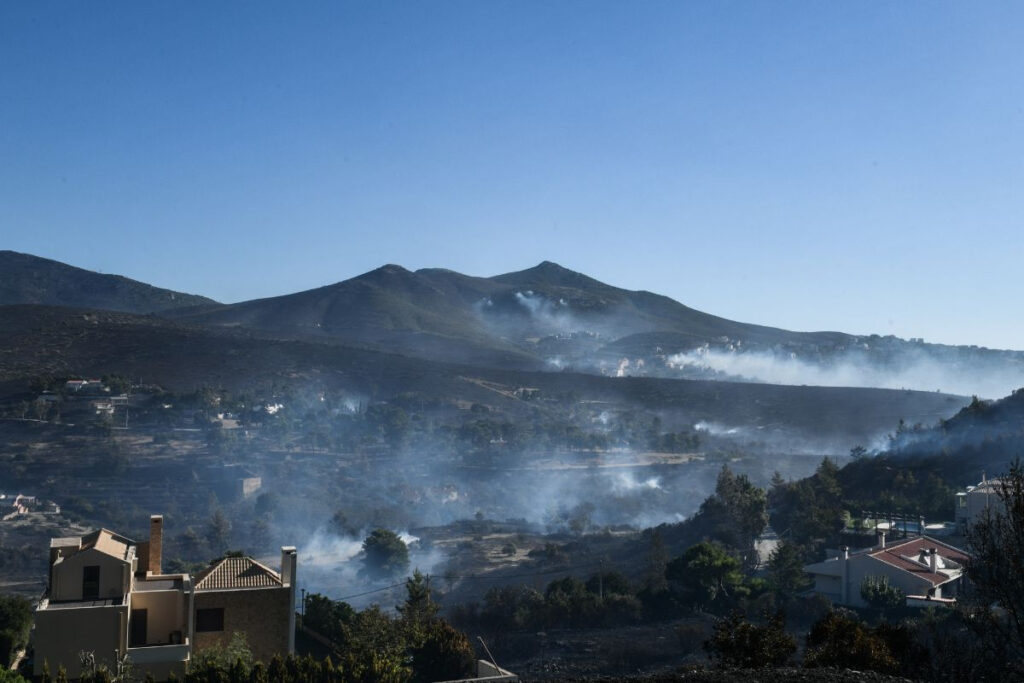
(855, 166)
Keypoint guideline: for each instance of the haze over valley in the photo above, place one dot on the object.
(542, 399)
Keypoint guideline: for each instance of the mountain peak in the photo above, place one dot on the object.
(550, 274)
(387, 272)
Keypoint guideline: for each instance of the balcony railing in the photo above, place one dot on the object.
(154, 654)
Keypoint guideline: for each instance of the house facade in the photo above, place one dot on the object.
(927, 570)
(974, 502)
(107, 595)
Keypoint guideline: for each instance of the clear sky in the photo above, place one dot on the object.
(811, 165)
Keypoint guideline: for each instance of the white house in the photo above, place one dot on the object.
(924, 568)
(972, 502)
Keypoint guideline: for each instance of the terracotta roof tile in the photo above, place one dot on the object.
(236, 572)
(896, 556)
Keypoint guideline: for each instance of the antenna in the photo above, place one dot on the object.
(489, 655)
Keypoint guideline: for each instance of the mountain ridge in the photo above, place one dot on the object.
(29, 279)
(548, 317)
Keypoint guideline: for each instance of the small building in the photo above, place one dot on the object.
(927, 570)
(238, 594)
(973, 502)
(107, 595)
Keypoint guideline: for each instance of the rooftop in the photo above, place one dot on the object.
(912, 556)
(146, 585)
(236, 572)
(77, 604)
(109, 543)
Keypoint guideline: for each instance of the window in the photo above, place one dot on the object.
(210, 619)
(91, 582)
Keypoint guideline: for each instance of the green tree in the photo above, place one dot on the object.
(878, 592)
(705, 576)
(786, 570)
(386, 554)
(810, 509)
(328, 617)
(444, 654)
(734, 515)
(15, 624)
(419, 607)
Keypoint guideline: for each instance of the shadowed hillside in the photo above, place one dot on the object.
(543, 318)
(46, 341)
(27, 279)
(549, 317)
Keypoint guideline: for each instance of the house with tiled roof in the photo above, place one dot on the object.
(108, 595)
(929, 571)
(238, 594)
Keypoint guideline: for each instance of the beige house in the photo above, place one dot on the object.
(238, 594)
(926, 569)
(108, 596)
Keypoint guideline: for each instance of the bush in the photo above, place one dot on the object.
(841, 640)
(386, 554)
(444, 655)
(880, 594)
(15, 624)
(739, 644)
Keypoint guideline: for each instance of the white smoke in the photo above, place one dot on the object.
(913, 372)
(627, 367)
(715, 428)
(623, 482)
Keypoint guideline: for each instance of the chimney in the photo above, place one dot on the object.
(289, 563)
(156, 543)
(881, 539)
(844, 593)
(933, 560)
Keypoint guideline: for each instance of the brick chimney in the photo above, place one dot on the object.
(933, 559)
(156, 543)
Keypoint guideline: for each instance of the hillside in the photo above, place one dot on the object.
(27, 279)
(544, 318)
(550, 317)
(378, 306)
(45, 341)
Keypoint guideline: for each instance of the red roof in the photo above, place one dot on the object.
(896, 555)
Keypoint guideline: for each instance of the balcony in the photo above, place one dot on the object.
(147, 655)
